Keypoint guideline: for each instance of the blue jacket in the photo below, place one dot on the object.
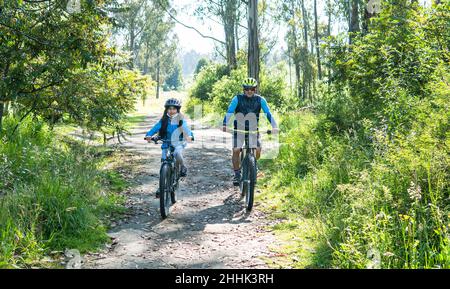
(174, 134)
(234, 105)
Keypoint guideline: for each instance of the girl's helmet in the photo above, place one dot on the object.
(173, 102)
(250, 83)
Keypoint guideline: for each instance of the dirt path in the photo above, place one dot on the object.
(207, 227)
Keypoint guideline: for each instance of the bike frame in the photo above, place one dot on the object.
(174, 167)
(171, 177)
(246, 149)
(248, 169)
(247, 183)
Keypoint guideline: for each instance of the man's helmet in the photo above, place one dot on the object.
(250, 83)
(173, 102)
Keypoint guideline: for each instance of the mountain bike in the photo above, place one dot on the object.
(169, 179)
(249, 170)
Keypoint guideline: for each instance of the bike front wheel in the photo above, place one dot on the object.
(176, 184)
(249, 181)
(164, 190)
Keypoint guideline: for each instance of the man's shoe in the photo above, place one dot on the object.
(237, 179)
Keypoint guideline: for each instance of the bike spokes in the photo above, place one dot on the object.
(249, 181)
(164, 184)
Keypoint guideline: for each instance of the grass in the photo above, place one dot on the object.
(299, 238)
(56, 194)
(341, 202)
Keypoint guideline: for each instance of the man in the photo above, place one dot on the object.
(246, 107)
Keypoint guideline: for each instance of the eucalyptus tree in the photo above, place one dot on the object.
(294, 14)
(227, 13)
(130, 19)
(253, 40)
(158, 44)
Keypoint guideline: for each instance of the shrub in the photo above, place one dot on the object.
(373, 165)
(51, 196)
(206, 79)
(272, 87)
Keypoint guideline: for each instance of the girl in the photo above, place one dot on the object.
(173, 129)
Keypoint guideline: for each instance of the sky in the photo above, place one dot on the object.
(191, 40)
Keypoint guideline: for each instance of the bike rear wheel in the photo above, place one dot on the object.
(164, 190)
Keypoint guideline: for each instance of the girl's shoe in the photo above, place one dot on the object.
(183, 172)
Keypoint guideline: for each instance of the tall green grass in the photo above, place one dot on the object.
(53, 195)
(380, 200)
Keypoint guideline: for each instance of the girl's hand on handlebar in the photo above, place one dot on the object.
(152, 138)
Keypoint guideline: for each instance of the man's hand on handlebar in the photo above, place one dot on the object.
(190, 139)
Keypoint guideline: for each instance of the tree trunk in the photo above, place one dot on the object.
(253, 40)
(1, 116)
(158, 72)
(305, 50)
(316, 30)
(366, 19)
(354, 20)
(229, 21)
(131, 44)
(305, 25)
(294, 51)
(146, 58)
(329, 34)
(230, 46)
(297, 80)
(236, 34)
(329, 18)
(290, 66)
(6, 108)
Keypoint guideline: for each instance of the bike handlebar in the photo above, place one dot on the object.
(158, 138)
(269, 132)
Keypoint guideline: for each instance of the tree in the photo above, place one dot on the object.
(316, 35)
(253, 40)
(354, 20)
(201, 63)
(175, 80)
(164, 61)
(41, 44)
(148, 30)
(226, 11)
(294, 13)
(130, 18)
